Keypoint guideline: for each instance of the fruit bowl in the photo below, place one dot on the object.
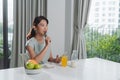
(32, 71)
(32, 67)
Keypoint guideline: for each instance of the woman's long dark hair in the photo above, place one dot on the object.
(36, 21)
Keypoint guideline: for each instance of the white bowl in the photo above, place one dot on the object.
(32, 71)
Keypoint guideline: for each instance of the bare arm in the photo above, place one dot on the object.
(40, 56)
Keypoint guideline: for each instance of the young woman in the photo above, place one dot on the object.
(38, 44)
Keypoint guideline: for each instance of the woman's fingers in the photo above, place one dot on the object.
(48, 39)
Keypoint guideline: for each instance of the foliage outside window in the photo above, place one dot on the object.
(106, 46)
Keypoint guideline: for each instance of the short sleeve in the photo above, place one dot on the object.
(29, 43)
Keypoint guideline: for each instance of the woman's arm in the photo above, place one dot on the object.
(40, 56)
(29, 33)
(51, 59)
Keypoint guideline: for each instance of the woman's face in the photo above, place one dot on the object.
(42, 27)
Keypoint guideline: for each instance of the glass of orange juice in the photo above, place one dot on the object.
(64, 61)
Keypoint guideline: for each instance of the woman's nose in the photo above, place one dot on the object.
(46, 28)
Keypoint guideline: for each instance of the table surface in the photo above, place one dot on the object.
(85, 69)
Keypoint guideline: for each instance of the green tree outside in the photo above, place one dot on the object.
(1, 40)
(104, 46)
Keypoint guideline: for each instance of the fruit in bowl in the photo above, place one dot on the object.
(37, 66)
(32, 64)
(29, 65)
(32, 67)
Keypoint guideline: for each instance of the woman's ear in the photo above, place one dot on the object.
(34, 28)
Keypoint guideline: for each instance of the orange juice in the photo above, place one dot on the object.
(64, 61)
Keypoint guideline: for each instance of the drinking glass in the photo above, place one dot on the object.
(64, 61)
(74, 55)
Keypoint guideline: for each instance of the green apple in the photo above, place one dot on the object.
(29, 65)
(37, 66)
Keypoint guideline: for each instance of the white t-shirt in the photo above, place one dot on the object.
(38, 47)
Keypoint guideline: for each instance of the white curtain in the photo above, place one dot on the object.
(81, 9)
(24, 13)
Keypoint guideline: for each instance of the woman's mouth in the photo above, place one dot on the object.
(45, 33)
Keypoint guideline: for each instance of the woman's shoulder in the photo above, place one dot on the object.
(31, 39)
(31, 42)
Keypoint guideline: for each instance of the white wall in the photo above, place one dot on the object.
(56, 16)
(60, 15)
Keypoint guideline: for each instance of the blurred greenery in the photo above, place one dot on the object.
(106, 46)
(10, 30)
(1, 48)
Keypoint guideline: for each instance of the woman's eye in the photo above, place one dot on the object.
(41, 24)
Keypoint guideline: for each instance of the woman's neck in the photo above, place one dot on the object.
(39, 37)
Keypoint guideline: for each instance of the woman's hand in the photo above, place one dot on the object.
(47, 40)
(29, 33)
(57, 59)
(50, 59)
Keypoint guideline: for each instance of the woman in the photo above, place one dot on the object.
(38, 44)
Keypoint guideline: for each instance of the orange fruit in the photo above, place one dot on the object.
(32, 61)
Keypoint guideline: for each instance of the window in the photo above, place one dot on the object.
(103, 28)
(6, 20)
(1, 35)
